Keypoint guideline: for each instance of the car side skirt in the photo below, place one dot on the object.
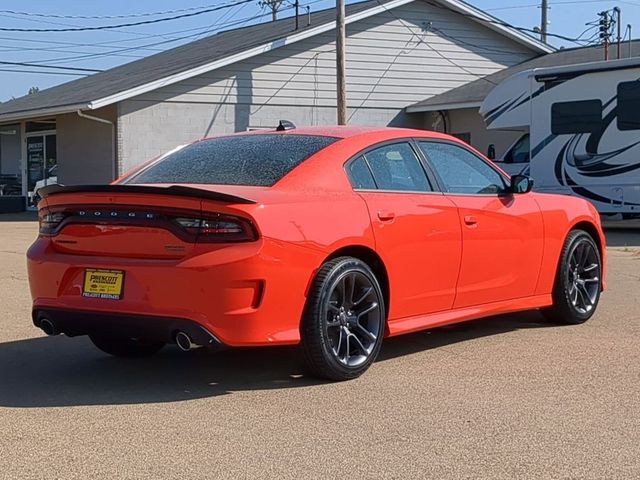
(448, 317)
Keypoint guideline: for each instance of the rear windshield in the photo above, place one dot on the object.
(256, 160)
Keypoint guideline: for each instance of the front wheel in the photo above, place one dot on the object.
(578, 283)
(126, 347)
(344, 319)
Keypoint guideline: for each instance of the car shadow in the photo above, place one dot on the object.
(61, 371)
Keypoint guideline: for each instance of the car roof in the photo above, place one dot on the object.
(342, 132)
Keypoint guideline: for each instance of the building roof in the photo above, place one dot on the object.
(472, 94)
(210, 53)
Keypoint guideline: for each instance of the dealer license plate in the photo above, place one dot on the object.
(107, 284)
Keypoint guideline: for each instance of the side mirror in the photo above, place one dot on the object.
(491, 152)
(521, 184)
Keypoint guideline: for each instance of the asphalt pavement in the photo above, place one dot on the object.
(504, 397)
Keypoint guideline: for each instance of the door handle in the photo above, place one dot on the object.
(470, 220)
(386, 216)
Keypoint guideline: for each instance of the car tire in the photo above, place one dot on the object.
(578, 282)
(343, 321)
(126, 347)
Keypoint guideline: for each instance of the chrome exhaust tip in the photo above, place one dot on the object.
(48, 327)
(184, 342)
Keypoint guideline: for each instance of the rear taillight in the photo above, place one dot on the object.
(219, 228)
(212, 227)
(49, 221)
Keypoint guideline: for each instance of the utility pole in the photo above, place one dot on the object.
(341, 65)
(544, 21)
(605, 25)
(274, 5)
(618, 13)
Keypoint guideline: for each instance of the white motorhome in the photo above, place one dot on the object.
(580, 129)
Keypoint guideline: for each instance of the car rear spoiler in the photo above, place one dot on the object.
(176, 190)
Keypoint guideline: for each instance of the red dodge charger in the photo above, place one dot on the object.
(328, 237)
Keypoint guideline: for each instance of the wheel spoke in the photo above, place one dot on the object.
(591, 280)
(347, 355)
(574, 295)
(333, 308)
(585, 295)
(583, 254)
(369, 309)
(366, 332)
(362, 298)
(350, 286)
(337, 349)
(359, 344)
(589, 268)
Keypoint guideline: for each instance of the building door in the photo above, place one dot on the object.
(41, 164)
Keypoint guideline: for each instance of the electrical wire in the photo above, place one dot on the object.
(24, 64)
(471, 45)
(422, 41)
(119, 52)
(496, 21)
(130, 24)
(104, 17)
(12, 70)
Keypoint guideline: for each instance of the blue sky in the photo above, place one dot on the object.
(87, 49)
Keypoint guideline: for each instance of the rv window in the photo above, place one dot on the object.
(584, 116)
(629, 106)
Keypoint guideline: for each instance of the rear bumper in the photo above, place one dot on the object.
(73, 323)
(248, 294)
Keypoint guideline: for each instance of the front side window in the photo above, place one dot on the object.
(584, 116)
(396, 167)
(520, 151)
(254, 160)
(629, 106)
(461, 171)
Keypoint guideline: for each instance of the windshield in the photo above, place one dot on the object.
(254, 160)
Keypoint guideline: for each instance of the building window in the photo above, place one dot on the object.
(629, 106)
(583, 116)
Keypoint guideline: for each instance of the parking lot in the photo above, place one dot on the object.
(505, 397)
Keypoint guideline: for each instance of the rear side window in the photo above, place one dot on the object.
(584, 116)
(254, 160)
(396, 167)
(360, 175)
(629, 106)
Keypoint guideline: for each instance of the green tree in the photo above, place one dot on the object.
(33, 90)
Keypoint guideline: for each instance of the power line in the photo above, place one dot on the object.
(567, 2)
(120, 51)
(104, 17)
(24, 64)
(131, 24)
(64, 24)
(471, 45)
(41, 72)
(133, 48)
(422, 41)
(495, 21)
